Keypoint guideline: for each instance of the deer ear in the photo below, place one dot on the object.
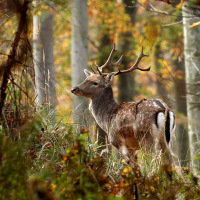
(109, 78)
(87, 73)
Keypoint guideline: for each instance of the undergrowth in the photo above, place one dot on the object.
(45, 159)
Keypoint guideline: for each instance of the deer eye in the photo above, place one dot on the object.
(95, 83)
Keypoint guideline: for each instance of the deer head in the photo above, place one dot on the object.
(96, 82)
(93, 85)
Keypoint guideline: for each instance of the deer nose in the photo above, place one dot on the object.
(75, 89)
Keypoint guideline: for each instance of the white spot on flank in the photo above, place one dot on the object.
(155, 104)
(134, 126)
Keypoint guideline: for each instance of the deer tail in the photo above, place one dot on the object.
(169, 125)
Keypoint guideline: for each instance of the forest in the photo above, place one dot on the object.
(53, 144)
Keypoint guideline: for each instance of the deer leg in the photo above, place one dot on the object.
(134, 159)
(130, 155)
(124, 153)
(167, 154)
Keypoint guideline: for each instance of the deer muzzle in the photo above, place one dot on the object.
(74, 90)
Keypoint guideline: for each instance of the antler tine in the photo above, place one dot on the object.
(99, 71)
(92, 69)
(118, 62)
(109, 60)
(135, 66)
(97, 66)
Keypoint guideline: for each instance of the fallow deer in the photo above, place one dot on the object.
(148, 124)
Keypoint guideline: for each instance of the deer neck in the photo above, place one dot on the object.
(103, 107)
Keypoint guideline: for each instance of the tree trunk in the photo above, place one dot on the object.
(159, 80)
(182, 140)
(43, 60)
(47, 29)
(102, 137)
(126, 81)
(22, 28)
(79, 55)
(192, 69)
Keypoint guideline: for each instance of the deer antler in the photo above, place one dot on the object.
(109, 63)
(135, 66)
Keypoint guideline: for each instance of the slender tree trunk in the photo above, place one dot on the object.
(38, 62)
(192, 69)
(79, 55)
(101, 135)
(159, 80)
(126, 81)
(43, 60)
(48, 42)
(182, 140)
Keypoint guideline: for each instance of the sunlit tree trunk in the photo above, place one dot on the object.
(43, 59)
(182, 140)
(126, 85)
(79, 55)
(192, 69)
(38, 62)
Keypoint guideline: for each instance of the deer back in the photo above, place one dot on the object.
(138, 123)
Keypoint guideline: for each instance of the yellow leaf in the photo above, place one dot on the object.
(123, 160)
(144, 2)
(107, 184)
(127, 169)
(38, 13)
(165, 62)
(152, 188)
(179, 6)
(195, 24)
(53, 186)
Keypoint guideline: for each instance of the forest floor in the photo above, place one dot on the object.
(51, 160)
